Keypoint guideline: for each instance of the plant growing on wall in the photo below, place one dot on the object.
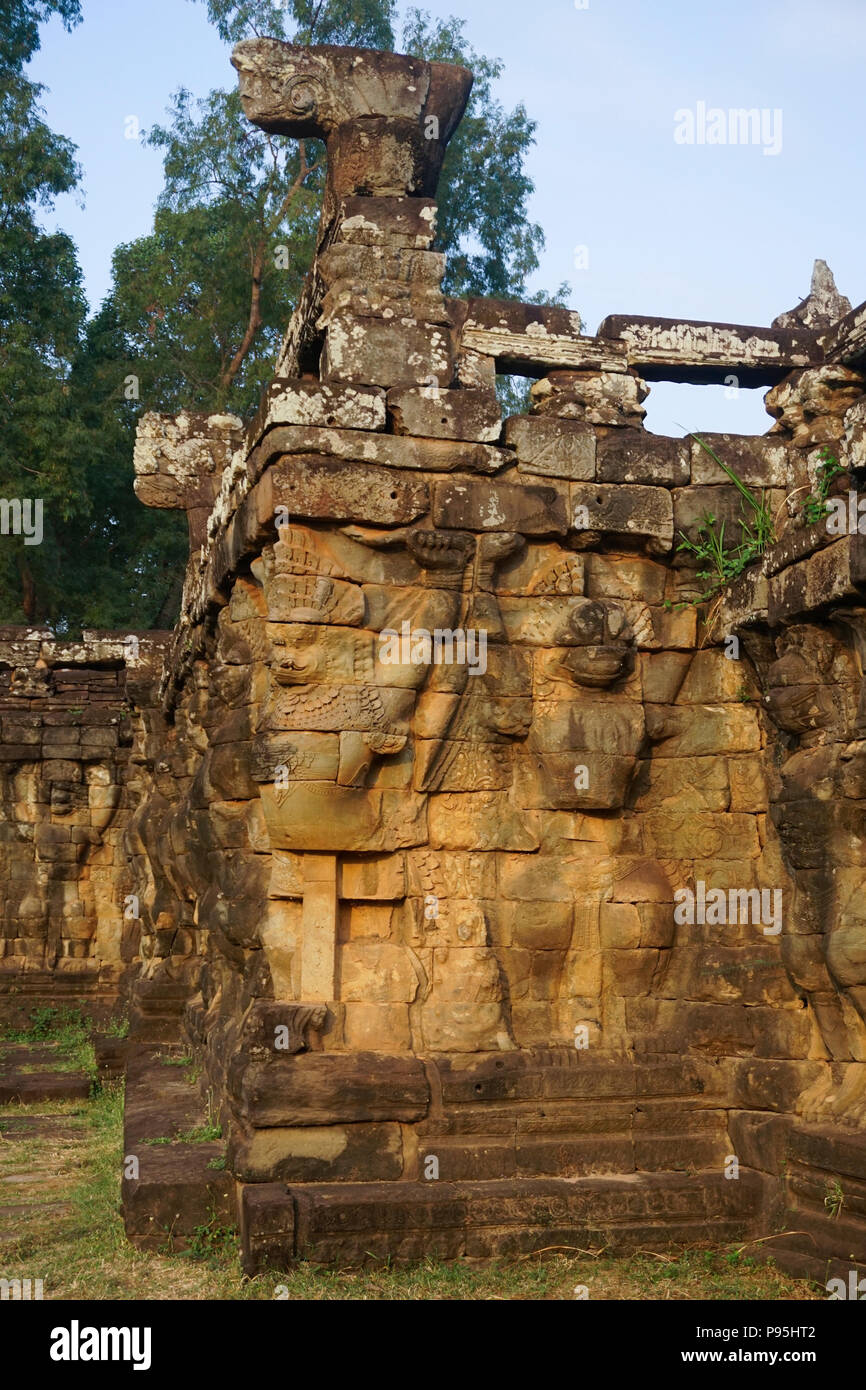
(815, 506)
(722, 561)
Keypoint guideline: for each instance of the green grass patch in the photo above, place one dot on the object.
(67, 1031)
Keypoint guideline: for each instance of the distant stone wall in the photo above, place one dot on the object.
(67, 716)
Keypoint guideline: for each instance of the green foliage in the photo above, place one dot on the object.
(358, 23)
(41, 303)
(484, 191)
(117, 1028)
(213, 1243)
(68, 432)
(199, 1134)
(19, 27)
(723, 563)
(834, 1198)
(66, 1030)
(815, 506)
(204, 299)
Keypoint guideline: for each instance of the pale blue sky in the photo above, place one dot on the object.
(701, 231)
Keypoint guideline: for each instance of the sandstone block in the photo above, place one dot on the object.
(439, 413)
(386, 352)
(633, 514)
(557, 448)
(634, 456)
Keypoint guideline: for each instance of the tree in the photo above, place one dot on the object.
(68, 429)
(206, 297)
(41, 311)
(484, 190)
(19, 29)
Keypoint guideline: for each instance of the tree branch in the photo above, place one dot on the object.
(254, 322)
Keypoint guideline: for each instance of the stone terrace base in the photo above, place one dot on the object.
(181, 1186)
(534, 1151)
(97, 993)
(361, 1223)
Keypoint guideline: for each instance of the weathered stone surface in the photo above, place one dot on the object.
(309, 487)
(598, 398)
(533, 509)
(699, 352)
(394, 451)
(633, 456)
(315, 404)
(321, 1153)
(757, 462)
(328, 1089)
(846, 342)
(809, 406)
(390, 221)
(823, 307)
(444, 414)
(531, 339)
(471, 855)
(387, 352)
(369, 107)
(632, 514)
(179, 459)
(558, 448)
(725, 504)
(832, 575)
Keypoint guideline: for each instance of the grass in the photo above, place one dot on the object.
(66, 1031)
(199, 1134)
(187, 1061)
(117, 1028)
(721, 561)
(834, 1198)
(82, 1252)
(815, 506)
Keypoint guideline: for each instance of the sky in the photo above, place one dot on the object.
(637, 219)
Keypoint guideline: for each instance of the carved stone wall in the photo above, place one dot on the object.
(68, 711)
(507, 893)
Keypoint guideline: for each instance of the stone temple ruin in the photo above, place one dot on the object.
(395, 829)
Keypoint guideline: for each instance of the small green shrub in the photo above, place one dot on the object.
(815, 506)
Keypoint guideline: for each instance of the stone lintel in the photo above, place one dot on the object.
(706, 353)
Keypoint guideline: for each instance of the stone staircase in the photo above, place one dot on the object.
(30, 1074)
(178, 1189)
